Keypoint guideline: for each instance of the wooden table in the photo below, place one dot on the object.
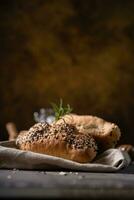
(58, 185)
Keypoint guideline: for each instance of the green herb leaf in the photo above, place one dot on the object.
(61, 110)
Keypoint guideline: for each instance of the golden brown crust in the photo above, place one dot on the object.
(105, 133)
(62, 140)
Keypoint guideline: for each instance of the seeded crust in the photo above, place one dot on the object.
(106, 134)
(61, 140)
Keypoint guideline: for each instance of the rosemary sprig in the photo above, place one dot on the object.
(61, 110)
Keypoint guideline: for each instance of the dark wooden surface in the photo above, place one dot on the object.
(59, 185)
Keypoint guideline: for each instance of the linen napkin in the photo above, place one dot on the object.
(111, 160)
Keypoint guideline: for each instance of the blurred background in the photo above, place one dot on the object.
(79, 50)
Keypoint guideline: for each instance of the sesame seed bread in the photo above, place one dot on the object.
(61, 140)
(106, 134)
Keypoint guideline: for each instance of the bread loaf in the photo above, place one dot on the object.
(61, 140)
(106, 134)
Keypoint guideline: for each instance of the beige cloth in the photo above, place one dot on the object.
(109, 161)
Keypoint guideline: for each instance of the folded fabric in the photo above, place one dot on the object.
(109, 161)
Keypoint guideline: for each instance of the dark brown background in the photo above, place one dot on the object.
(80, 51)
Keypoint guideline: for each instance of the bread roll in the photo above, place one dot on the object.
(106, 134)
(61, 140)
(128, 148)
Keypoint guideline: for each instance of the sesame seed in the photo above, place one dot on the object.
(66, 132)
